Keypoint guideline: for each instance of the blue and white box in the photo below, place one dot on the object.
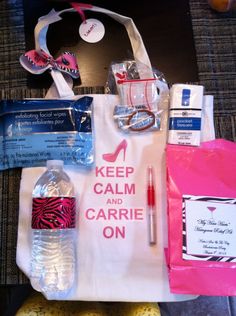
(185, 114)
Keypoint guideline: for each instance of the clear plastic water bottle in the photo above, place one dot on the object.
(53, 232)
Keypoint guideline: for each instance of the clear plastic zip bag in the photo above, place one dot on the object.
(142, 100)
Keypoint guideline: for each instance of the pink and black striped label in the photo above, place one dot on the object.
(53, 213)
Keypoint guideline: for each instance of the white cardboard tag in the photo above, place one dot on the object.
(209, 228)
(91, 30)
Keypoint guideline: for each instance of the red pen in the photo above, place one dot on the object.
(151, 207)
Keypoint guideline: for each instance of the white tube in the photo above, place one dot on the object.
(208, 128)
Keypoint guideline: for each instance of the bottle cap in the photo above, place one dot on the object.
(55, 163)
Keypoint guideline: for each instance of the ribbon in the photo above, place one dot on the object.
(37, 62)
(79, 8)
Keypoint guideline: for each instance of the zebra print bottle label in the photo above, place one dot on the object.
(53, 213)
(209, 228)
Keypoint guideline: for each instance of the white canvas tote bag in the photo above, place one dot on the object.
(115, 260)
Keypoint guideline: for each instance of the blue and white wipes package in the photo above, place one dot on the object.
(34, 131)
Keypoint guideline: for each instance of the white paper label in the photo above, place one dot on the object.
(91, 30)
(209, 228)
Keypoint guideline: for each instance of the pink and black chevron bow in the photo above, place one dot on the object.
(38, 62)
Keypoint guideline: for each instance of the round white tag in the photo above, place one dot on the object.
(91, 30)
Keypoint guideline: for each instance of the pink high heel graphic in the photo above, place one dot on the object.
(111, 157)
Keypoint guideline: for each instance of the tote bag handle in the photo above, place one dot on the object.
(63, 84)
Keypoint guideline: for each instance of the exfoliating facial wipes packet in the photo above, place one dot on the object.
(33, 131)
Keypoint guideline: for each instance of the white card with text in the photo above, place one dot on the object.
(209, 228)
(91, 30)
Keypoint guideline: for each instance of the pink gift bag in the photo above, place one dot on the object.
(201, 190)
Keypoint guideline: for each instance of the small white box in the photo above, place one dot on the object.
(185, 114)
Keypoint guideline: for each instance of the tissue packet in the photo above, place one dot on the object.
(33, 131)
(185, 114)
